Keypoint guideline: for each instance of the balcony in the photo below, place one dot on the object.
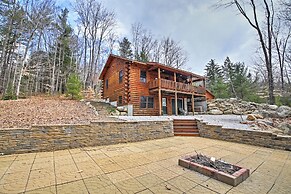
(172, 86)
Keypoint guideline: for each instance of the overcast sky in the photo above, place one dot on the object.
(203, 31)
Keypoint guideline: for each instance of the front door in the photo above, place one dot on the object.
(180, 105)
(164, 104)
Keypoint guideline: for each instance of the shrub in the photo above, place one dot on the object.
(73, 87)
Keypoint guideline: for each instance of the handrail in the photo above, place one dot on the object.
(171, 85)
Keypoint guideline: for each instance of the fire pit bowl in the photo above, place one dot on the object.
(217, 169)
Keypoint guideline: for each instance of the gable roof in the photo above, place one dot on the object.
(151, 65)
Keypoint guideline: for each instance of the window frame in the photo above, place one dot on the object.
(120, 76)
(144, 102)
(143, 79)
(120, 101)
(106, 83)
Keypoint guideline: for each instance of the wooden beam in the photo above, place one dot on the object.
(160, 92)
(176, 95)
(193, 110)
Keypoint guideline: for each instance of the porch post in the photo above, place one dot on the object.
(193, 104)
(176, 96)
(160, 92)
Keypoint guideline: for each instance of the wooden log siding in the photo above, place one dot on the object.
(138, 89)
(115, 89)
(159, 82)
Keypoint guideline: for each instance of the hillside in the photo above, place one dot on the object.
(27, 112)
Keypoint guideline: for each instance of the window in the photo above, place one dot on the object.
(146, 102)
(119, 100)
(143, 102)
(150, 102)
(120, 76)
(106, 83)
(143, 76)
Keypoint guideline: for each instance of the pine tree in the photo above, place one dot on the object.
(125, 48)
(213, 73)
(74, 87)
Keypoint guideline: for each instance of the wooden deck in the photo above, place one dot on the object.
(170, 85)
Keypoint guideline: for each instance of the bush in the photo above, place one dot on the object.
(283, 100)
(73, 87)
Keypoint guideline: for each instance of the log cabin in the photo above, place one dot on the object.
(150, 88)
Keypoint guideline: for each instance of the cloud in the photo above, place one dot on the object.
(204, 32)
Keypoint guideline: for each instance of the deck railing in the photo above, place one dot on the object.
(171, 85)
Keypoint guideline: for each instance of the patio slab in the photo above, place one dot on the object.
(143, 167)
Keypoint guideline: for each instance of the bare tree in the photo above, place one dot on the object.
(264, 31)
(281, 40)
(172, 54)
(97, 24)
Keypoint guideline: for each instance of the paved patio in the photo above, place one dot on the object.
(143, 167)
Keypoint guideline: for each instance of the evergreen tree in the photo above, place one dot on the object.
(220, 89)
(125, 48)
(213, 73)
(228, 70)
(74, 87)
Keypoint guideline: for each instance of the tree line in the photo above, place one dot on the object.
(145, 47)
(40, 49)
(271, 22)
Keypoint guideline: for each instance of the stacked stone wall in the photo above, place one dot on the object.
(258, 138)
(58, 137)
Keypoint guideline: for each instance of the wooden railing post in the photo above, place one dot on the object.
(193, 108)
(176, 96)
(160, 92)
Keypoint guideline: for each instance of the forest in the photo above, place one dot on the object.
(41, 51)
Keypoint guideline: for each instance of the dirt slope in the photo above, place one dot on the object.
(27, 112)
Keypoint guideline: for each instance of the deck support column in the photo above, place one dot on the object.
(193, 104)
(160, 92)
(176, 95)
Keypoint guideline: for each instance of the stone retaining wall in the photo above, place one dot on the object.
(57, 137)
(258, 138)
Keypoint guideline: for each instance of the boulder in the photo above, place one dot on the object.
(270, 113)
(273, 107)
(284, 111)
(122, 109)
(285, 127)
(227, 112)
(258, 116)
(237, 111)
(251, 117)
(215, 112)
(265, 122)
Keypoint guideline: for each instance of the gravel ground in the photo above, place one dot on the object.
(227, 121)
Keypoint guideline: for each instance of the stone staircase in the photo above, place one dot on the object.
(185, 127)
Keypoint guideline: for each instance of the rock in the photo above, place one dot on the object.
(284, 111)
(123, 113)
(122, 108)
(227, 112)
(231, 100)
(258, 116)
(265, 122)
(215, 112)
(273, 107)
(237, 112)
(285, 127)
(251, 117)
(266, 113)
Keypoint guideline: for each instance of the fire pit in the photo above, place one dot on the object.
(217, 169)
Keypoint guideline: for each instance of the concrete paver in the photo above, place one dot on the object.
(143, 167)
